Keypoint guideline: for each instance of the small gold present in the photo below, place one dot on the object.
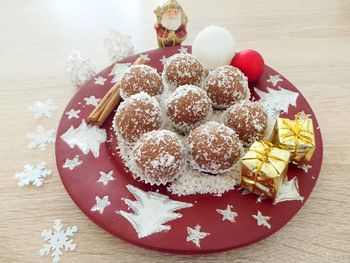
(264, 168)
(296, 136)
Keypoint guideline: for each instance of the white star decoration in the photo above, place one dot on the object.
(145, 57)
(101, 204)
(72, 113)
(195, 235)
(305, 167)
(274, 79)
(227, 214)
(33, 175)
(183, 50)
(43, 109)
(288, 191)
(100, 80)
(262, 220)
(92, 100)
(41, 138)
(163, 60)
(72, 163)
(106, 177)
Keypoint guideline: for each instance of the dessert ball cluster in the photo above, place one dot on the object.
(168, 122)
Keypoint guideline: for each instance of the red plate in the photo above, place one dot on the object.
(81, 183)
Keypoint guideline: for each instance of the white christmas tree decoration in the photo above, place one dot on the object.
(72, 113)
(33, 175)
(106, 177)
(92, 100)
(151, 211)
(195, 235)
(41, 138)
(43, 109)
(58, 240)
(100, 80)
(262, 220)
(164, 59)
(118, 71)
(86, 137)
(118, 45)
(288, 191)
(274, 79)
(79, 68)
(227, 214)
(277, 100)
(72, 163)
(101, 204)
(183, 50)
(305, 167)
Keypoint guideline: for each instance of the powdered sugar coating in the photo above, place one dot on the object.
(159, 156)
(213, 148)
(182, 69)
(137, 115)
(139, 78)
(225, 86)
(248, 120)
(188, 107)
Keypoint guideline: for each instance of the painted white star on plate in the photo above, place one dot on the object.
(106, 177)
(262, 220)
(145, 57)
(274, 79)
(227, 214)
(163, 60)
(305, 167)
(92, 100)
(100, 80)
(72, 113)
(195, 235)
(101, 204)
(183, 50)
(72, 163)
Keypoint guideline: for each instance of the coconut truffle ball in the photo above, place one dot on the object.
(139, 78)
(182, 69)
(137, 115)
(159, 155)
(225, 86)
(248, 119)
(187, 107)
(213, 148)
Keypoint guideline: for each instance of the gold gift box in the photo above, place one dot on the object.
(264, 168)
(296, 136)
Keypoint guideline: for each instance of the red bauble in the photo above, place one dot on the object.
(250, 62)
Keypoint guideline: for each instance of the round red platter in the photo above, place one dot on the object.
(80, 168)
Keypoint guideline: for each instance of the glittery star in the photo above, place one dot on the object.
(195, 235)
(262, 220)
(183, 50)
(163, 60)
(92, 100)
(100, 80)
(145, 57)
(227, 214)
(274, 79)
(106, 177)
(101, 204)
(72, 113)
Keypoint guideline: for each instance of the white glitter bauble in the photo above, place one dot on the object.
(214, 46)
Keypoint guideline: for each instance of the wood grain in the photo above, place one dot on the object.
(307, 41)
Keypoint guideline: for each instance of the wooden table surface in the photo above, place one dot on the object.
(307, 41)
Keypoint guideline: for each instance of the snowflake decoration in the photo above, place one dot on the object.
(118, 45)
(92, 100)
(43, 109)
(195, 235)
(100, 80)
(183, 50)
(305, 167)
(32, 174)
(72, 163)
(41, 138)
(118, 71)
(164, 60)
(262, 220)
(106, 177)
(274, 79)
(227, 214)
(79, 68)
(57, 240)
(101, 204)
(72, 113)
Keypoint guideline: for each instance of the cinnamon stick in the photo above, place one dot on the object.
(112, 98)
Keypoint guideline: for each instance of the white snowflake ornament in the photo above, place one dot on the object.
(118, 45)
(33, 175)
(79, 68)
(195, 235)
(58, 240)
(43, 109)
(41, 138)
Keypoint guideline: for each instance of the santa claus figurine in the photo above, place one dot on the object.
(171, 24)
